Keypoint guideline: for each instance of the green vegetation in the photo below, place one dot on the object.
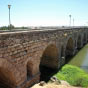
(7, 27)
(73, 75)
(12, 27)
(4, 28)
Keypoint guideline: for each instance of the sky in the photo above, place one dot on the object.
(44, 12)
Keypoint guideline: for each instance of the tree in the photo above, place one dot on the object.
(4, 28)
(11, 27)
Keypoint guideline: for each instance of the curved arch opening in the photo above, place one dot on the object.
(84, 38)
(29, 70)
(69, 49)
(49, 62)
(79, 42)
(62, 52)
(62, 56)
(49, 57)
(6, 78)
(75, 44)
(87, 37)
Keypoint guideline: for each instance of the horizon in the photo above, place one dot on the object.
(44, 13)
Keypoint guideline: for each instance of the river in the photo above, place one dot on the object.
(81, 59)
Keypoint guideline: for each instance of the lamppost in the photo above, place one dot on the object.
(9, 6)
(70, 20)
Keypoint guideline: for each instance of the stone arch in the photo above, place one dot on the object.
(62, 55)
(32, 68)
(29, 69)
(50, 56)
(8, 77)
(84, 38)
(79, 41)
(49, 62)
(75, 44)
(69, 47)
(87, 37)
(62, 51)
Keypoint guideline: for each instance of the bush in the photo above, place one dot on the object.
(74, 75)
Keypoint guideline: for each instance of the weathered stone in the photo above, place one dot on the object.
(22, 52)
(42, 83)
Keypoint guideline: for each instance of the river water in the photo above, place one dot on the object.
(81, 58)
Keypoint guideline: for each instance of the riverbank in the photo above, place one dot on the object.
(54, 85)
(68, 77)
(73, 75)
(81, 59)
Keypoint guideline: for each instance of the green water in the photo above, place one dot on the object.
(81, 58)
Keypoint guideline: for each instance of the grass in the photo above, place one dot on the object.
(73, 75)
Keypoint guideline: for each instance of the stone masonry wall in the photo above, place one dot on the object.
(21, 53)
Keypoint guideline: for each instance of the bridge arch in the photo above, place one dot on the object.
(50, 56)
(69, 47)
(84, 38)
(62, 51)
(29, 69)
(8, 79)
(49, 62)
(32, 68)
(79, 41)
(62, 55)
(87, 37)
(75, 43)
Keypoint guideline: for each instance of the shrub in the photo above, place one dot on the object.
(74, 75)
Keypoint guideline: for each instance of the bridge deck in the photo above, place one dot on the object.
(39, 30)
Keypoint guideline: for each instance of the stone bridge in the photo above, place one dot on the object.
(23, 52)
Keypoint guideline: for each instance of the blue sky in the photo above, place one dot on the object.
(44, 12)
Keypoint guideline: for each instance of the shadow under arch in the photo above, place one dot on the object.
(49, 62)
(87, 37)
(7, 76)
(69, 49)
(29, 69)
(84, 38)
(79, 42)
(62, 55)
(62, 51)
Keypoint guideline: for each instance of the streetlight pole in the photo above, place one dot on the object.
(70, 20)
(9, 6)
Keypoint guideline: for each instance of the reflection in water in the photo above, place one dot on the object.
(81, 59)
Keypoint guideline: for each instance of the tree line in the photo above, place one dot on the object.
(11, 27)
